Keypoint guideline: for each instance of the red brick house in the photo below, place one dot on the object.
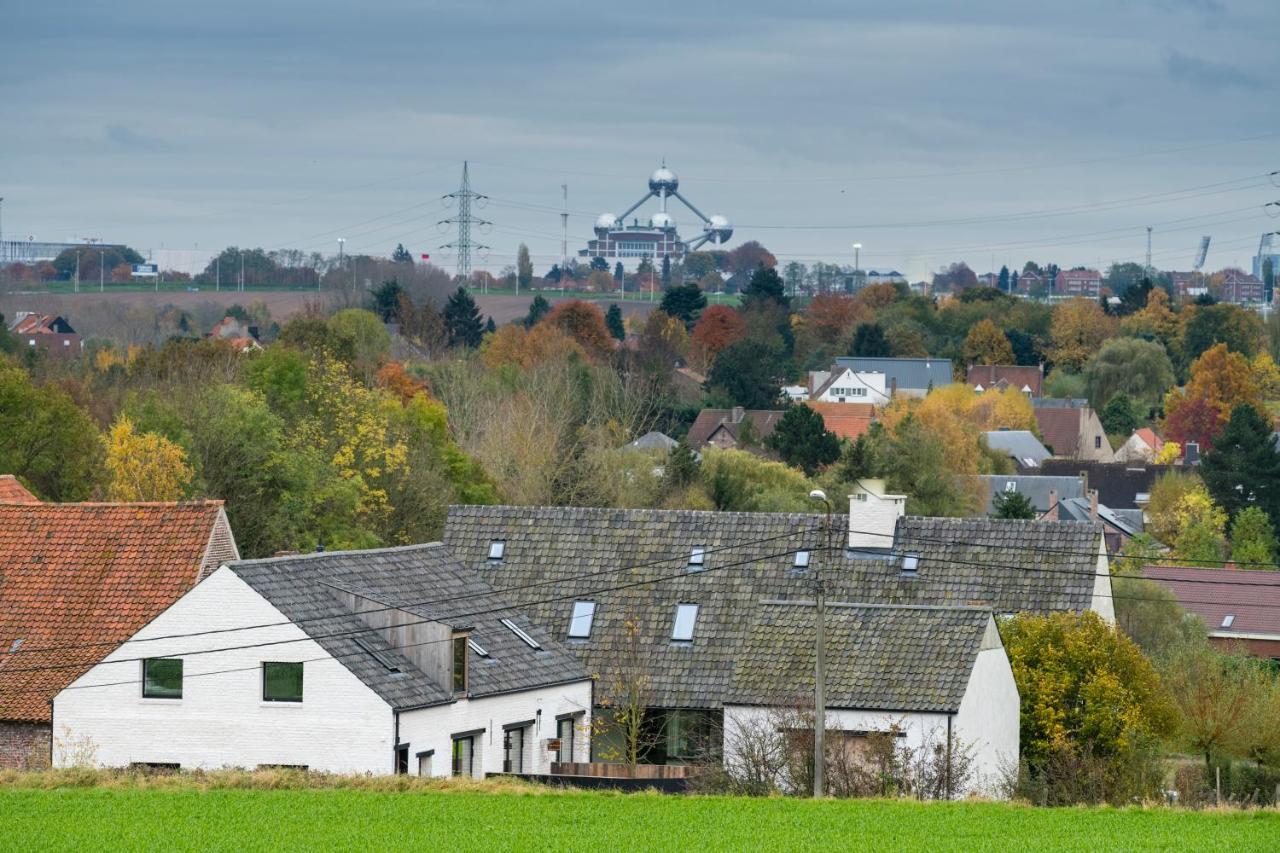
(47, 332)
(1078, 282)
(736, 428)
(76, 580)
(1240, 608)
(1240, 287)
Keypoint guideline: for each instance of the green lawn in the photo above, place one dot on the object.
(139, 819)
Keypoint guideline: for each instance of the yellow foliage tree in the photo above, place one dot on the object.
(1267, 375)
(526, 348)
(144, 466)
(1078, 329)
(1169, 453)
(1223, 380)
(958, 416)
(1156, 319)
(986, 344)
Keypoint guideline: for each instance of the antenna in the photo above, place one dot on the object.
(464, 220)
(564, 226)
(1147, 269)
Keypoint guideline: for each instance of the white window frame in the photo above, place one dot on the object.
(515, 629)
(685, 623)
(581, 620)
(801, 560)
(497, 549)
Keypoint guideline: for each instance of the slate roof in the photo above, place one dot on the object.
(13, 492)
(906, 373)
(763, 422)
(885, 658)
(1118, 483)
(1212, 594)
(1078, 509)
(654, 440)
(77, 574)
(1006, 375)
(1020, 444)
(303, 589)
(1034, 486)
(586, 553)
(41, 324)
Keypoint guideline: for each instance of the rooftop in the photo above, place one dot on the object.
(1253, 598)
(13, 492)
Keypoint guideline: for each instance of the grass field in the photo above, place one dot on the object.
(187, 819)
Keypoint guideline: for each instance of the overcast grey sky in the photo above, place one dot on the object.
(930, 131)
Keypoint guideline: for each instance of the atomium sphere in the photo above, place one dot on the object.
(604, 223)
(662, 220)
(720, 228)
(664, 180)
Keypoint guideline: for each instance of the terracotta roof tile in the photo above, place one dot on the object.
(847, 420)
(72, 574)
(1060, 429)
(13, 492)
(1253, 598)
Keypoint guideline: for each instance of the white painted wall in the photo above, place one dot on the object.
(433, 728)
(873, 515)
(988, 719)
(845, 388)
(1103, 604)
(221, 721)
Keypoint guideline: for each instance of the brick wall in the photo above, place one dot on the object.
(24, 745)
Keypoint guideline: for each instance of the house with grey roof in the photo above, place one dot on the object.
(914, 377)
(678, 593)
(1020, 445)
(392, 660)
(1042, 491)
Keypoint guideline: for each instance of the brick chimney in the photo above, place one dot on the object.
(873, 515)
(1051, 514)
(1093, 504)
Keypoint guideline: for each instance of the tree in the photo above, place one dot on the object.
(711, 283)
(1003, 281)
(718, 327)
(986, 344)
(1213, 694)
(1238, 328)
(370, 339)
(915, 462)
(1012, 505)
(666, 271)
(513, 344)
(1268, 279)
(699, 264)
(1119, 416)
(1079, 328)
(599, 264)
(1140, 369)
(1220, 381)
(1253, 539)
(386, 300)
(682, 465)
(684, 302)
(766, 286)
(401, 255)
(93, 259)
(750, 256)
(1243, 468)
(619, 274)
(46, 440)
(524, 266)
(613, 320)
(746, 375)
(538, 309)
(869, 342)
(144, 467)
(802, 439)
(584, 322)
(462, 320)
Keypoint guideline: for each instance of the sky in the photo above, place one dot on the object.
(929, 131)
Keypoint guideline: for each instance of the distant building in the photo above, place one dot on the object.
(1073, 431)
(1029, 282)
(735, 429)
(846, 385)
(1042, 491)
(1142, 446)
(885, 277)
(1020, 445)
(846, 420)
(1241, 288)
(242, 335)
(31, 251)
(47, 332)
(1028, 380)
(913, 377)
(1189, 285)
(1078, 282)
(1238, 608)
(1119, 485)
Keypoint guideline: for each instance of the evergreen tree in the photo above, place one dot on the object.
(538, 309)
(613, 320)
(1012, 505)
(386, 300)
(869, 342)
(1003, 281)
(1120, 415)
(401, 255)
(1243, 468)
(554, 274)
(685, 303)
(747, 374)
(765, 286)
(490, 327)
(462, 320)
(1269, 278)
(524, 266)
(802, 439)
(618, 273)
(600, 264)
(1013, 282)
(682, 465)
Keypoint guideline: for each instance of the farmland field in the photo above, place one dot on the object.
(189, 819)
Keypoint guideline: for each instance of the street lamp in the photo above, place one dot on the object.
(857, 263)
(819, 658)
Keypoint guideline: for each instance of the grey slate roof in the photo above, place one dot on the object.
(907, 373)
(585, 553)
(1077, 509)
(654, 441)
(1020, 444)
(889, 658)
(303, 588)
(1034, 486)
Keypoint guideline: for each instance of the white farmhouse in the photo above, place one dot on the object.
(846, 385)
(392, 660)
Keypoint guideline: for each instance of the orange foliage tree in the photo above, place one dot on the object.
(515, 345)
(1220, 381)
(831, 317)
(1078, 329)
(393, 378)
(584, 322)
(986, 344)
(718, 327)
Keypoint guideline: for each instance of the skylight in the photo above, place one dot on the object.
(496, 549)
(528, 641)
(802, 560)
(686, 618)
(910, 564)
(1228, 620)
(380, 656)
(584, 613)
(698, 556)
(477, 648)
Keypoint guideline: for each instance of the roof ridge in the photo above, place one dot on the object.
(419, 546)
(955, 608)
(200, 503)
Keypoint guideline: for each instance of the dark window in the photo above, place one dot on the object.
(162, 678)
(1097, 442)
(513, 751)
(281, 682)
(564, 733)
(402, 760)
(463, 751)
(460, 664)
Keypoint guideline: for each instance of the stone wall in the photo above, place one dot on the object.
(24, 745)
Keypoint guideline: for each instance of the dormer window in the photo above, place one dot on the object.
(497, 549)
(1010, 486)
(802, 560)
(698, 557)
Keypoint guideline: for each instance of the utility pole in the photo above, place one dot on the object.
(820, 659)
(564, 233)
(464, 221)
(102, 277)
(341, 244)
(217, 273)
(1146, 271)
(242, 269)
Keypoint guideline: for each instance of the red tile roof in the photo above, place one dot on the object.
(1060, 429)
(1148, 435)
(72, 574)
(1214, 594)
(13, 492)
(1002, 375)
(847, 420)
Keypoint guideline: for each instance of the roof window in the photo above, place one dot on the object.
(686, 618)
(1010, 486)
(528, 641)
(802, 560)
(698, 556)
(497, 549)
(910, 565)
(477, 648)
(584, 613)
(1228, 620)
(380, 656)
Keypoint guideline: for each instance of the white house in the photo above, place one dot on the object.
(846, 385)
(392, 660)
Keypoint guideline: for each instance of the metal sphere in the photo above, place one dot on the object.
(662, 220)
(605, 222)
(720, 228)
(664, 179)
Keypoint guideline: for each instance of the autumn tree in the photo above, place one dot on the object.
(802, 439)
(1080, 326)
(831, 317)
(719, 327)
(986, 344)
(1214, 696)
(1220, 380)
(1237, 328)
(750, 256)
(1253, 539)
(517, 346)
(524, 266)
(144, 467)
(46, 440)
(584, 322)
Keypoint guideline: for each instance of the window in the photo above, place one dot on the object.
(513, 749)
(698, 556)
(1228, 620)
(861, 497)
(424, 762)
(463, 756)
(910, 565)
(802, 560)
(686, 617)
(1010, 486)
(402, 760)
(381, 657)
(460, 663)
(528, 641)
(584, 613)
(162, 678)
(477, 648)
(564, 733)
(1097, 442)
(857, 392)
(497, 549)
(281, 682)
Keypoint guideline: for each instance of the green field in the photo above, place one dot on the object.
(186, 819)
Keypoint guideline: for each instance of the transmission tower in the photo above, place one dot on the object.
(462, 244)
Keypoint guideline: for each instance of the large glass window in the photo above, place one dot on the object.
(564, 733)
(463, 752)
(281, 682)
(162, 678)
(460, 664)
(513, 751)
(584, 613)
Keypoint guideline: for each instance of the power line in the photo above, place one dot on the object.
(465, 197)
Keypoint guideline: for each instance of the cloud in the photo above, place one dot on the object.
(1207, 73)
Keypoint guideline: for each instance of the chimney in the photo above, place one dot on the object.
(1051, 514)
(893, 386)
(738, 414)
(1093, 504)
(873, 515)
